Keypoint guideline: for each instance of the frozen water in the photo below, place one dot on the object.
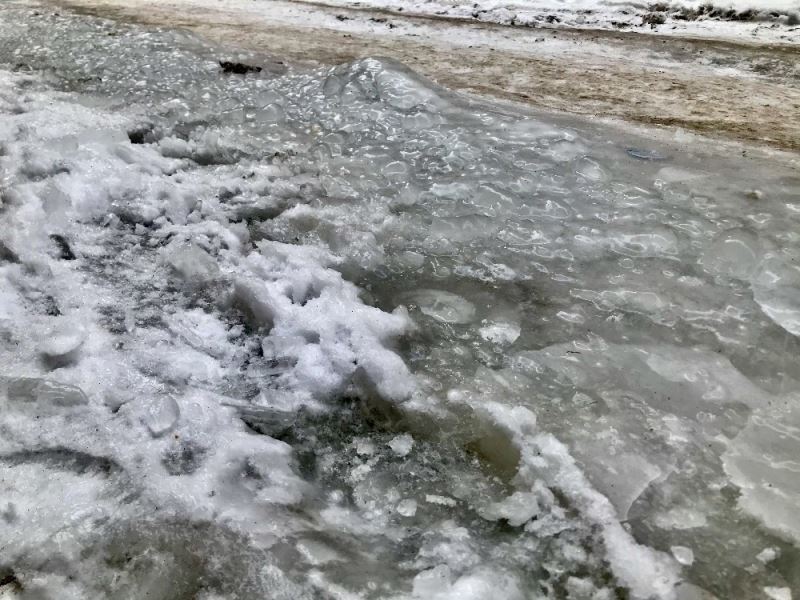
(337, 332)
(401, 445)
(776, 593)
(162, 415)
(61, 344)
(683, 555)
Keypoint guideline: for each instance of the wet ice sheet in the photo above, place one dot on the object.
(594, 366)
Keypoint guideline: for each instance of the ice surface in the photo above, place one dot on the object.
(336, 332)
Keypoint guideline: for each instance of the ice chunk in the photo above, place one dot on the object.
(191, 263)
(60, 347)
(768, 555)
(682, 554)
(162, 415)
(401, 445)
(778, 593)
(500, 332)
(479, 584)
(44, 391)
(202, 331)
(444, 306)
(517, 509)
(440, 500)
(364, 447)
(407, 508)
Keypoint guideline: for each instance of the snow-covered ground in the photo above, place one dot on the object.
(338, 333)
(756, 20)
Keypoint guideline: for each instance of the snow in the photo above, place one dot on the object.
(724, 18)
(375, 340)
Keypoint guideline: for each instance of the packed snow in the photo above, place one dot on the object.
(338, 333)
(755, 19)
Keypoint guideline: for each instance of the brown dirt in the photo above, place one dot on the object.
(756, 100)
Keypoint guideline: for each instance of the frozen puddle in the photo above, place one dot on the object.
(338, 334)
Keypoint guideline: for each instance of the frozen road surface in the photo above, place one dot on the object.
(339, 333)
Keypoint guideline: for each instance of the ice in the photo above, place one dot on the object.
(775, 288)
(500, 332)
(762, 461)
(191, 263)
(767, 555)
(517, 509)
(682, 554)
(318, 553)
(681, 518)
(162, 416)
(61, 345)
(444, 306)
(734, 253)
(778, 593)
(44, 392)
(407, 508)
(324, 334)
(401, 445)
(436, 499)
(203, 331)
(336, 331)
